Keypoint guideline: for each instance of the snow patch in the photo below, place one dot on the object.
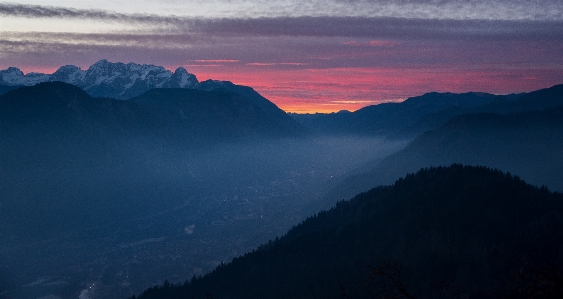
(121, 77)
(85, 294)
(189, 229)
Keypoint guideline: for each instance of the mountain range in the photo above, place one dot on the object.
(417, 115)
(137, 155)
(528, 144)
(55, 132)
(106, 79)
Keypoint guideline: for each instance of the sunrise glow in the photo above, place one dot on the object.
(324, 57)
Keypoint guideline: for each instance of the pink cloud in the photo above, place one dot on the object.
(216, 60)
(372, 43)
(329, 90)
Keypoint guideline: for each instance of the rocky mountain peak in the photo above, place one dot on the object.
(107, 79)
(69, 74)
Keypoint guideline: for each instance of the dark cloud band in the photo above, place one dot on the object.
(38, 11)
(381, 28)
(329, 26)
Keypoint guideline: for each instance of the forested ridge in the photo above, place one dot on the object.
(450, 232)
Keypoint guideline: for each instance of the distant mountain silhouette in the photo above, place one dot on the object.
(201, 114)
(533, 101)
(387, 118)
(5, 88)
(56, 107)
(56, 134)
(450, 231)
(276, 115)
(417, 115)
(528, 144)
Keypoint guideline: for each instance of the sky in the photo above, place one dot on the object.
(305, 56)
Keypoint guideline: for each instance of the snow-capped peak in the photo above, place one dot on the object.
(69, 74)
(108, 79)
(13, 76)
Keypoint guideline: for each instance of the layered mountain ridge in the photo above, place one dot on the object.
(62, 109)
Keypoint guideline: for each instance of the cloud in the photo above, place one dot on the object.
(39, 11)
(375, 27)
(372, 43)
(424, 9)
(217, 60)
(380, 28)
(277, 64)
(354, 102)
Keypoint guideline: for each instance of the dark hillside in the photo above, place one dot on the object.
(533, 101)
(199, 114)
(389, 118)
(273, 112)
(527, 143)
(471, 227)
(417, 115)
(542, 99)
(5, 88)
(64, 153)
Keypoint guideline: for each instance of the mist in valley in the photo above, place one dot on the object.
(108, 222)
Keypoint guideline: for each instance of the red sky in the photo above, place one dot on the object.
(314, 60)
(329, 90)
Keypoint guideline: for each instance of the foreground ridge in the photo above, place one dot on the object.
(470, 226)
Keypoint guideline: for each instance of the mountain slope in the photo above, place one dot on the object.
(528, 144)
(387, 118)
(59, 144)
(277, 115)
(417, 115)
(5, 88)
(469, 226)
(533, 101)
(201, 115)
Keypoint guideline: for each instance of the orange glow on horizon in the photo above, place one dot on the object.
(332, 90)
(296, 88)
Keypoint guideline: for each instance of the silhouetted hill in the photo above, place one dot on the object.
(5, 88)
(417, 115)
(532, 101)
(203, 114)
(387, 118)
(527, 143)
(49, 109)
(527, 102)
(59, 145)
(55, 107)
(448, 230)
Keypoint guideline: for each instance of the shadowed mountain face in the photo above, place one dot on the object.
(528, 144)
(5, 88)
(385, 119)
(217, 112)
(59, 108)
(118, 194)
(57, 130)
(417, 115)
(470, 228)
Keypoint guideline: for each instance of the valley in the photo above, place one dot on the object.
(104, 198)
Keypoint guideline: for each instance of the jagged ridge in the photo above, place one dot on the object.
(106, 79)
